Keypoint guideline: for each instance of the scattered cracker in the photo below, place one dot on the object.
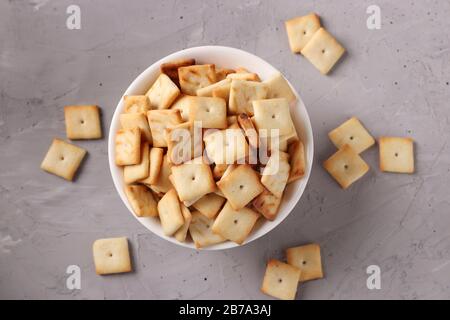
(300, 30)
(281, 280)
(307, 259)
(396, 154)
(82, 122)
(353, 133)
(111, 256)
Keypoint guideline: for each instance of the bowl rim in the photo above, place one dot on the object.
(147, 73)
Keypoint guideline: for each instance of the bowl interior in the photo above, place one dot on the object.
(224, 57)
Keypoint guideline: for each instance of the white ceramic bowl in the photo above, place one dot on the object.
(225, 57)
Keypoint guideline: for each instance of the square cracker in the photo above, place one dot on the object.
(182, 103)
(163, 184)
(111, 256)
(396, 154)
(221, 73)
(193, 179)
(63, 159)
(278, 87)
(273, 114)
(135, 172)
(209, 205)
(136, 104)
(159, 120)
(183, 144)
(128, 146)
(280, 280)
(242, 93)
(307, 259)
(267, 204)
(240, 186)
(196, 77)
(235, 225)
(248, 76)
(297, 160)
(155, 161)
(162, 93)
(353, 133)
(346, 166)
(276, 173)
(201, 233)
(141, 200)
(82, 122)
(132, 120)
(170, 68)
(300, 30)
(222, 86)
(181, 233)
(323, 51)
(170, 214)
(211, 112)
(226, 146)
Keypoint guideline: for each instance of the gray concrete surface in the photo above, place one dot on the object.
(396, 80)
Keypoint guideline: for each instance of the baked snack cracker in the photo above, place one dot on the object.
(192, 179)
(155, 161)
(170, 213)
(159, 120)
(307, 259)
(135, 172)
(132, 120)
(63, 159)
(240, 186)
(171, 68)
(200, 231)
(278, 87)
(221, 73)
(222, 86)
(182, 103)
(211, 112)
(396, 154)
(276, 173)
(141, 200)
(196, 77)
(346, 166)
(226, 146)
(209, 205)
(280, 280)
(323, 51)
(353, 133)
(300, 30)
(242, 93)
(248, 76)
(181, 233)
(182, 144)
(297, 161)
(267, 204)
(219, 170)
(128, 146)
(235, 225)
(273, 114)
(249, 129)
(82, 122)
(162, 93)
(163, 184)
(111, 256)
(136, 104)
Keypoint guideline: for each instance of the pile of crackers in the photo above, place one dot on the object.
(218, 190)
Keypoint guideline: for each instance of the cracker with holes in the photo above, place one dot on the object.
(211, 112)
(82, 122)
(201, 233)
(278, 87)
(273, 114)
(396, 154)
(133, 120)
(307, 259)
(182, 103)
(323, 51)
(63, 159)
(300, 30)
(276, 173)
(346, 166)
(136, 104)
(155, 161)
(222, 86)
(138, 171)
(209, 204)
(196, 77)
(163, 184)
(141, 200)
(242, 93)
(170, 214)
(240, 186)
(226, 146)
(193, 179)
(128, 146)
(235, 225)
(297, 162)
(221, 73)
(353, 133)
(267, 204)
(171, 68)
(183, 144)
(111, 256)
(280, 280)
(181, 233)
(159, 120)
(162, 93)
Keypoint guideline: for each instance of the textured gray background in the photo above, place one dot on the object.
(396, 80)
